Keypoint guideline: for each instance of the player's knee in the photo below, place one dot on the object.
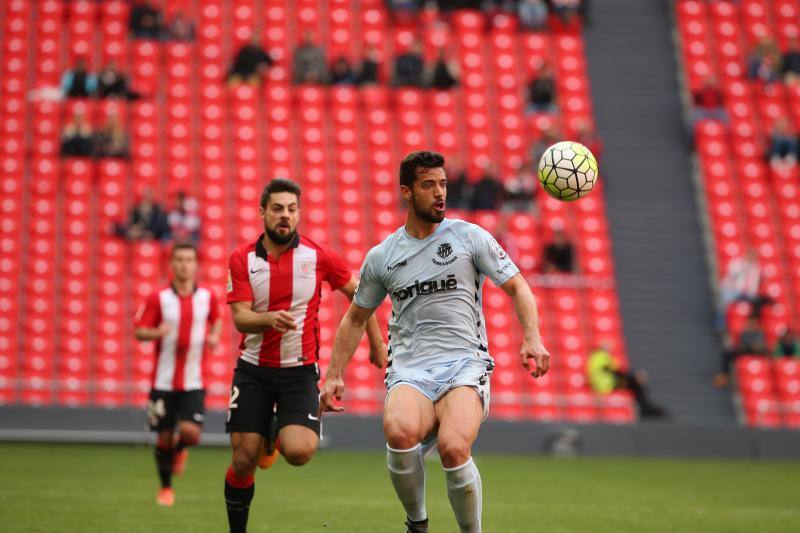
(190, 436)
(401, 435)
(299, 455)
(454, 450)
(244, 462)
(164, 440)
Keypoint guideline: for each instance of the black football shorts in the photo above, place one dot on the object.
(166, 408)
(259, 393)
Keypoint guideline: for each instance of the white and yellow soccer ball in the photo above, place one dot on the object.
(567, 171)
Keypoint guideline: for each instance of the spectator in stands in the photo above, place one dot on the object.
(409, 67)
(444, 74)
(787, 345)
(309, 63)
(532, 14)
(741, 283)
(606, 373)
(342, 73)
(112, 83)
(764, 63)
(146, 20)
(78, 82)
(487, 191)
(520, 189)
(184, 219)
(542, 91)
(708, 103)
(559, 256)
(566, 14)
(250, 63)
(751, 342)
(783, 146)
(368, 72)
(147, 220)
(180, 28)
(458, 186)
(111, 140)
(76, 138)
(790, 65)
(587, 136)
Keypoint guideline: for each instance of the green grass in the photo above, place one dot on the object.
(55, 488)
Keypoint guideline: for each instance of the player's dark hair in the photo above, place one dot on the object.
(279, 185)
(183, 245)
(416, 161)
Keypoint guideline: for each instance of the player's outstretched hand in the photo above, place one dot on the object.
(541, 358)
(281, 321)
(379, 355)
(333, 389)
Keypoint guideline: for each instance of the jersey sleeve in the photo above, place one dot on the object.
(213, 308)
(239, 288)
(336, 274)
(149, 313)
(370, 291)
(489, 257)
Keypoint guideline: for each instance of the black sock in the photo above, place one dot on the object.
(164, 464)
(238, 495)
(180, 446)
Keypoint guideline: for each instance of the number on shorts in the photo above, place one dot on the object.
(234, 396)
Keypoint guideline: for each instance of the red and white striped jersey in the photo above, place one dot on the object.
(291, 283)
(179, 353)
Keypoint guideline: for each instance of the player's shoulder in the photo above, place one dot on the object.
(381, 251)
(244, 249)
(204, 289)
(156, 293)
(310, 243)
(464, 229)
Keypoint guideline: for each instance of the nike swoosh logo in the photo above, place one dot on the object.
(256, 271)
(314, 418)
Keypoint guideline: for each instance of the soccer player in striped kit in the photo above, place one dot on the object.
(274, 291)
(183, 318)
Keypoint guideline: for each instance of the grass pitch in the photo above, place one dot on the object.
(55, 488)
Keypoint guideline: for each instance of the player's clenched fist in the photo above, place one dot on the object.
(541, 358)
(332, 390)
(281, 321)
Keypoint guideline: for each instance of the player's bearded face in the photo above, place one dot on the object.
(281, 217)
(428, 196)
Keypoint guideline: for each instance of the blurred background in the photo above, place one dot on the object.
(668, 297)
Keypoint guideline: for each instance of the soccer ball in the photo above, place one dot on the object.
(567, 171)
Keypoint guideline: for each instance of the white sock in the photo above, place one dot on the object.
(407, 471)
(466, 495)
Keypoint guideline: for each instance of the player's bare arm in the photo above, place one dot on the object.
(527, 314)
(378, 351)
(214, 332)
(248, 321)
(344, 346)
(151, 334)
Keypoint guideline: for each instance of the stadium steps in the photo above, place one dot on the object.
(661, 272)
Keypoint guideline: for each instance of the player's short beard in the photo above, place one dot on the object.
(279, 239)
(432, 217)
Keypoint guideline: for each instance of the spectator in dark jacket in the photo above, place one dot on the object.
(787, 345)
(111, 83)
(790, 66)
(76, 138)
(147, 220)
(145, 21)
(409, 67)
(180, 28)
(368, 73)
(78, 82)
(764, 63)
(542, 91)
(444, 74)
(342, 73)
(783, 148)
(559, 254)
(487, 191)
(250, 63)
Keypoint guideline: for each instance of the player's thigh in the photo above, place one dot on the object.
(189, 432)
(251, 404)
(408, 417)
(460, 413)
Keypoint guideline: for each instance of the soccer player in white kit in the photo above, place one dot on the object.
(437, 377)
